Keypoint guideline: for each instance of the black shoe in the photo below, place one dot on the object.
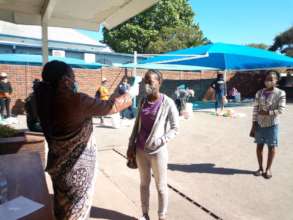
(267, 175)
(259, 172)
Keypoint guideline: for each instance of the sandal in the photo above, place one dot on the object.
(268, 175)
(259, 172)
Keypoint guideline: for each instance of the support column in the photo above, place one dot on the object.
(45, 50)
(46, 13)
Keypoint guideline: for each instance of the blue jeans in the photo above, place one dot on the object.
(219, 100)
(5, 105)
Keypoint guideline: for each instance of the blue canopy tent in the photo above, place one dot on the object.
(172, 67)
(226, 57)
(167, 67)
(26, 59)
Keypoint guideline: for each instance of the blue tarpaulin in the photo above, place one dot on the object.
(224, 57)
(27, 59)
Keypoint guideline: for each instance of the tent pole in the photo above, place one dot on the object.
(225, 82)
(134, 62)
(134, 74)
(200, 82)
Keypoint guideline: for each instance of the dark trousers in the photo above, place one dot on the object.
(123, 113)
(219, 101)
(5, 104)
(178, 104)
(181, 104)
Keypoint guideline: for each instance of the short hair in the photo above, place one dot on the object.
(55, 70)
(273, 74)
(157, 73)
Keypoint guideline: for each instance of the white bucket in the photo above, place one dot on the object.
(188, 110)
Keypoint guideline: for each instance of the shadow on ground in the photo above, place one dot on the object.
(101, 213)
(206, 168)
(104, 126)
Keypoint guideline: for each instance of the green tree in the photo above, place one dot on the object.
(284, 42)
(174, 38)
(260, 46)
(169, 25)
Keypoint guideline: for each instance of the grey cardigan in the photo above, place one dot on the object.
(160, 134)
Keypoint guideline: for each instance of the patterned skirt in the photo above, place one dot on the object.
(72, 167)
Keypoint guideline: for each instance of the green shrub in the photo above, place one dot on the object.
(7, 131)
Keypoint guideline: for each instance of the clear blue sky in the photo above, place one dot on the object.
(243, 21)
(238, 21)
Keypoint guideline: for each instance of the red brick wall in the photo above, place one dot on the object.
(21, 78)
(179, 75)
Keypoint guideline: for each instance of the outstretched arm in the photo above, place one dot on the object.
(95, 107)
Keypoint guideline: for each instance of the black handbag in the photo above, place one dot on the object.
(131, 163)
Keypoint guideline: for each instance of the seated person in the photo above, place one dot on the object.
(32, 118)
(233, 93)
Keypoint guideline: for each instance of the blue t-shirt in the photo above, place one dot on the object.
(219, 86)
(123, 88)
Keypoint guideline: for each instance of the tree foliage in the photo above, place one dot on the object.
(169, 25)
(259, 45)
(175, 38)
(284, 42)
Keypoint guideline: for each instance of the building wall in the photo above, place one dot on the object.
(247, 83)
(73, 54)
(101, 57)
(6, 49)
(21, 78)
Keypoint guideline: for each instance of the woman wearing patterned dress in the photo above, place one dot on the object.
(269, 104)
(65, 116)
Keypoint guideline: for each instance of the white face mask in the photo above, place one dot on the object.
(149, 90)
(5, 80)
(269, 84)
(75, 87)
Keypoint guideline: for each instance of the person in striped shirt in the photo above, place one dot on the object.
(269, 104)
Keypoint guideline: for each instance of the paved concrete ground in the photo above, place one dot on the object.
(211, 162)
